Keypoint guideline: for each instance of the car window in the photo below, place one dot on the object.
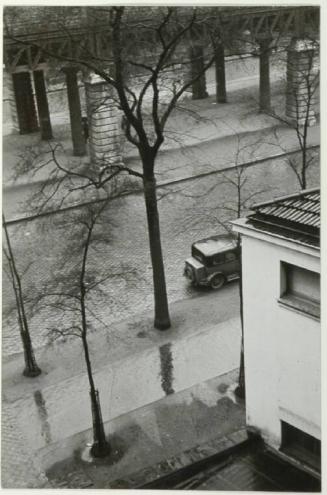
(218, 259)
(197, 255)
(230, 256)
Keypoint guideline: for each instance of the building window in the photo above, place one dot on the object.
(300, 289)
(300, 445)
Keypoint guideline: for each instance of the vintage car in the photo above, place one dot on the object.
(214, 261)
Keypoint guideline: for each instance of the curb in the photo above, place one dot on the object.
(201, 142)
(165, 475)
(160, 184)
(12, 184)
(245, 165)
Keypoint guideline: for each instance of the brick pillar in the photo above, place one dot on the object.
(301, 73)
(104, 141)
(74, 103)
(264, 83)
(221, 96)
(42, 105)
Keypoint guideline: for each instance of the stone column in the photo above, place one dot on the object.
(221, 96)
(264, 83)
(42, 105)
(301, 85)
(104, 142)
(9, 110)
(199, 90)
(74, 104)
(25, 104)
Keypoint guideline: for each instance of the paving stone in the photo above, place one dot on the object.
(18, 467)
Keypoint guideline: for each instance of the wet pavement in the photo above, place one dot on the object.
(190, 210)
(59, 411)
(160, 438)
(152, 404)
(189, 213)
(18, 466)
(137, 368)
(132, 372)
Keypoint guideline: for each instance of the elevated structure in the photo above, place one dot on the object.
(33, 35)
(27, 43)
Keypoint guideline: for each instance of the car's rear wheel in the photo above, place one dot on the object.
(217, 281)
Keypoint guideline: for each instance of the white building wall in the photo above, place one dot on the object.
(282, 347)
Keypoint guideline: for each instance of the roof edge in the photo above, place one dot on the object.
(287, 196)
(242, 227)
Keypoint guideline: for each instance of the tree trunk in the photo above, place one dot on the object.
(240, 389)
(31, 367)
(100, 447)
(303, 144)
(161, 312)
(304, 166)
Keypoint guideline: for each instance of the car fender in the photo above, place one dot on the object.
(210, 277)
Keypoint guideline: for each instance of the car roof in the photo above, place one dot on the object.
(215, 244)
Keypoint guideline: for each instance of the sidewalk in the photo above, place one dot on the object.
(160, 438)
(220, 137)
(155, 416)
(194, 124)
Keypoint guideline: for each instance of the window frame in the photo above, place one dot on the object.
(297, 302)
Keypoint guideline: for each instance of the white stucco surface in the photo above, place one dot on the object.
(282, 346)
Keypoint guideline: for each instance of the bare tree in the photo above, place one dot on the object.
(148, 41)
(74, 287)
(15, 278)
(78, 278)
(241, 196)
(242, 204)
(70, 294)
(302, 89)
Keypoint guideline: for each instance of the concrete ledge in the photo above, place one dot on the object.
(225, 447)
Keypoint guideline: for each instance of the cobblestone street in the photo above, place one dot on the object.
(188, 211)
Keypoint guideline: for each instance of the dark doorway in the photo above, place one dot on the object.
(26, 111)
(301, 446)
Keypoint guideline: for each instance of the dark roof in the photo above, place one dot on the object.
(296, 216)
(216, 244)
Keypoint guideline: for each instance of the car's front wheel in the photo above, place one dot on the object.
(217, 281)
(189, 274)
